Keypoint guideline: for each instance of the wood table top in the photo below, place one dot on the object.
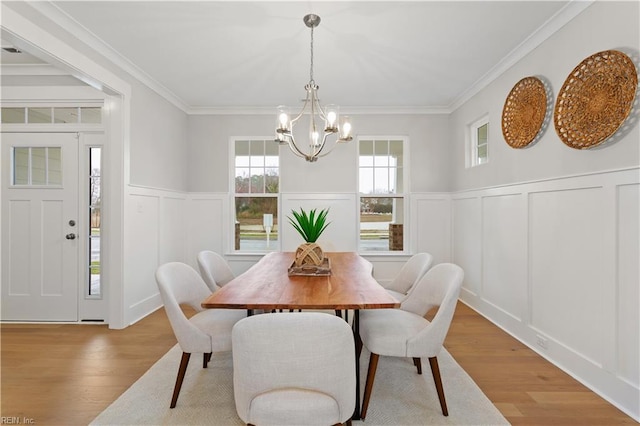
(267, 285)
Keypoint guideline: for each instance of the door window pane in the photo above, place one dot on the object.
(38, 166)
(21, 166)
(54, 166)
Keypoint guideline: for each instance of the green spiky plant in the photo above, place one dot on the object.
(310, 225)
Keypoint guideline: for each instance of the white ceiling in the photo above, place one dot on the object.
(417, 55)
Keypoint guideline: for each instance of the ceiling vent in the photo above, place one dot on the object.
(11, 50)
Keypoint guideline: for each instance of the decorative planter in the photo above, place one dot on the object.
(309, 254)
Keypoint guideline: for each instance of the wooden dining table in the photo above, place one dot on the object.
(268, 286)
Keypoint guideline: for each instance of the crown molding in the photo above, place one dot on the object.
(356, 110)
(546, 30)
(59, 17)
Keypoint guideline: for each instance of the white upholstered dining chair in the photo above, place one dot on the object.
(294, 369)
(409, 275)
(214, 269)
(207, 331)
(406, 333)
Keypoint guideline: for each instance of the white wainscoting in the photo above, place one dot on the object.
(155, 233)
(555, 263)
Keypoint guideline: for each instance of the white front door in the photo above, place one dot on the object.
(40, 274)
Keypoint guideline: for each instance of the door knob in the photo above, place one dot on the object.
(70, 236)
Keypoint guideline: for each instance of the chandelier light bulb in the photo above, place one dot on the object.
(284, 119)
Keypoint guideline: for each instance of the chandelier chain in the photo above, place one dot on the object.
(311, 70)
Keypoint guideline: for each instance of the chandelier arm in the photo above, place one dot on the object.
(324, 154)
(304, 107)
(294, 147)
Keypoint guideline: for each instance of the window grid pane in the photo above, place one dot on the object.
(40, 115)
(13, 115)
(65, 115)
(21, 166)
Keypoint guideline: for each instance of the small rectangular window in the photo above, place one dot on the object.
(479, 142)
(37, 166)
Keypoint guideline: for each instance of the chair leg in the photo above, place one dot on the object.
(205, 359)
(181, 372)
(358, 346)
(371, 374)
(418, 364)
(435, 370)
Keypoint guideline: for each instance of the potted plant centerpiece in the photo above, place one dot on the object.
(309, 226)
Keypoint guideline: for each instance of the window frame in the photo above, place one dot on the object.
(403, 195)
(233, 195)
(474, 143)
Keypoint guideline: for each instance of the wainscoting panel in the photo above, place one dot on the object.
(467, 243)
(566, 247)
(430, 229)
(628, 275)
(172, 229)
(155, 233)
(143, 250)
(555, 264)
(504, 253)
(207, 225)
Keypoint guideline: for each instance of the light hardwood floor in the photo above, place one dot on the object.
(68, 374)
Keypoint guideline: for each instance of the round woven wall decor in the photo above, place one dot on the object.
(524, 111)
(595, 99)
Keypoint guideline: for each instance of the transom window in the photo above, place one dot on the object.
(52, 115)
(381, 177)
(256, 189)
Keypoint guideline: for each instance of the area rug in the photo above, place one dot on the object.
(400, 396)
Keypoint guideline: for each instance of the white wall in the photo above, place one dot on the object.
(548, 235)
(209, 153)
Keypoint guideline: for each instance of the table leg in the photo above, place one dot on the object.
(356, 335)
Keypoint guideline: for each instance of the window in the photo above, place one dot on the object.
(256, 187)
(95, 210)
(37, 166)
(381, 187)
(479, 142)
(52, 115)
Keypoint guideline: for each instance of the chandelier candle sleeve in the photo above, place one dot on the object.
(334, 126)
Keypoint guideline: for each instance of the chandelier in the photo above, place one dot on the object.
(323, 122)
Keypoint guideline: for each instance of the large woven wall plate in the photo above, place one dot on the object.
(524, 112)
(595, 99)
